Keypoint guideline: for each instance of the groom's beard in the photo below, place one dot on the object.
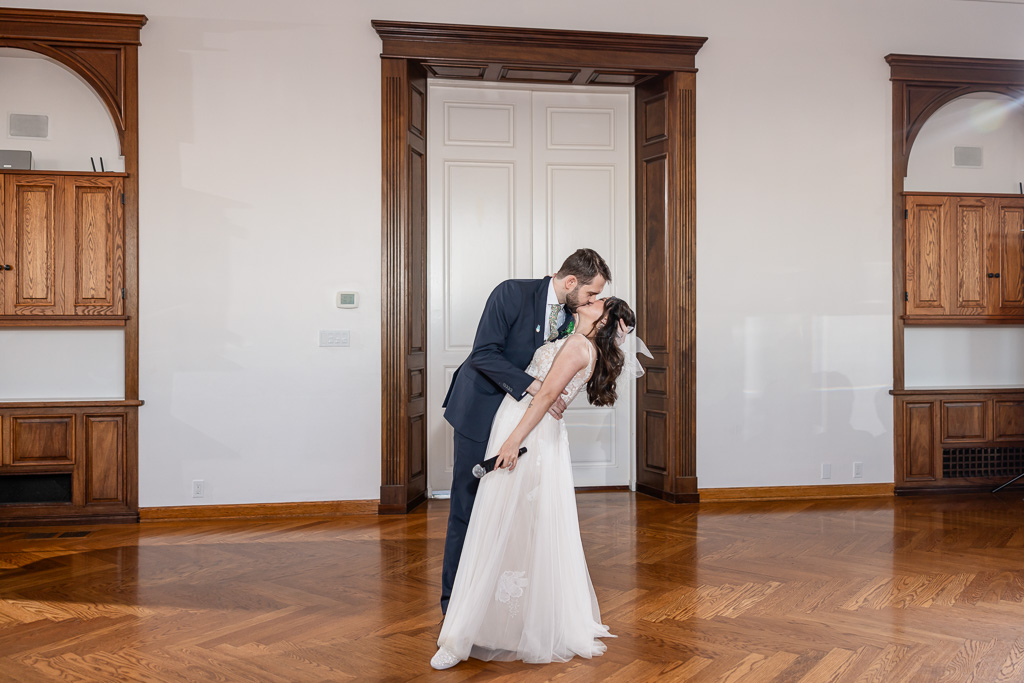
(572, 299)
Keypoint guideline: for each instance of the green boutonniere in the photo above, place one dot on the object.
(570, 328)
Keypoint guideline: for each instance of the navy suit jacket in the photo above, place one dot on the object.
(512, 327)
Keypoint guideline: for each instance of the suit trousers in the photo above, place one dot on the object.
(464, 485)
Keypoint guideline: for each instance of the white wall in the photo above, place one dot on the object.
(260, 198)
(79, 125)
(964, 356)
(987, 120)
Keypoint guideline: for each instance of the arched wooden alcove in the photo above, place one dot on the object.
(921, 85)
(661, 69)
(102, 49)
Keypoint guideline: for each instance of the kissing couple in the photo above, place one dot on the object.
(515, 583)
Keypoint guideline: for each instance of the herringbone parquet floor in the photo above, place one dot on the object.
(888, 590)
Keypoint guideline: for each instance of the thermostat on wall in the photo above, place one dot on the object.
(348, 299)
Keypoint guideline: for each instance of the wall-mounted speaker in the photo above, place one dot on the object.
(967, 157)
(28, 126)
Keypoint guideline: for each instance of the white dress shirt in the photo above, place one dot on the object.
(552, 301)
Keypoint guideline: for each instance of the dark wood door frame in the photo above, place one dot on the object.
(662, 70)
(921, 85)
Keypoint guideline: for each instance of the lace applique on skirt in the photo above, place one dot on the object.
(510, 589)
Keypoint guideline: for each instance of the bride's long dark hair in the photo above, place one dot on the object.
(601, 386)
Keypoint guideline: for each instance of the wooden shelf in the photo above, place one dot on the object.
(944, 391)
(36, 171)
(63, 320)
(960, 320)
(73, 403)
(998, 195)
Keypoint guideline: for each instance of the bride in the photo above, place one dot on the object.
(523, 590)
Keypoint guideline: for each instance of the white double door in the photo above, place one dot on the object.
(518, 179)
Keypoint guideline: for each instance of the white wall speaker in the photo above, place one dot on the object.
(28, 126)
(967, 157)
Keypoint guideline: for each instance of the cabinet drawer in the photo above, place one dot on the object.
(965, 421)
(42, 440)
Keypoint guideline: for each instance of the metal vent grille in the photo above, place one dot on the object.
(982, 462)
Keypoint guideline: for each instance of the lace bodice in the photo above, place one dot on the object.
(545, 356)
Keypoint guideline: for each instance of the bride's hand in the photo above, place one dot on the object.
(508, 456)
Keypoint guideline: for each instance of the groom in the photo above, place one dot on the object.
(518, 317)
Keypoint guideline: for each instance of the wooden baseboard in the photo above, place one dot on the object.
(755, 493)
(324, 508)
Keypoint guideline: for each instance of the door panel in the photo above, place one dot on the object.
(582, 199)
(519, 180)
(479, 229)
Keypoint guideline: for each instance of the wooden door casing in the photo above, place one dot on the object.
(404, 287)
(580, 57)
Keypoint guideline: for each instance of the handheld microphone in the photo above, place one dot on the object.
(488, 465)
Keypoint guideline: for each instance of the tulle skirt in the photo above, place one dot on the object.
(523, 590)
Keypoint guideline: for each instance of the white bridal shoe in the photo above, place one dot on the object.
(443, 659)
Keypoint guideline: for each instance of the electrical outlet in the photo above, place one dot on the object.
(826, 470)
(198, 488)
(335, 338)
(858, 470)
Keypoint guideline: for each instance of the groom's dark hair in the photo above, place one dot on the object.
(585, 264)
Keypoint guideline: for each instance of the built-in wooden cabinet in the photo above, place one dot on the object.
(69, 257)
(68, 462)
(964, 258)
(958, 438)
(62, 248)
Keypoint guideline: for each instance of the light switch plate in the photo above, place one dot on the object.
(335, 338)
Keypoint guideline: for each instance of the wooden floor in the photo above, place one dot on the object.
(904, 589)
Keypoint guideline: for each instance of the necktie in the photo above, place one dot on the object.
(553, 321)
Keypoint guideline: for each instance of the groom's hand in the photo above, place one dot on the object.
(558, 407)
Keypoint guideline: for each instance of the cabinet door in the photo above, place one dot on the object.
(94, 219)
(968, 236)
(926, 256)
(921, 455)
(34, 246)
(1009, 262)
(105, 458)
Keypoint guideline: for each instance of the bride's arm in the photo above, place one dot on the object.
(573, 357)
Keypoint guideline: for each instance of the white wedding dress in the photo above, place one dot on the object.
(523, 590)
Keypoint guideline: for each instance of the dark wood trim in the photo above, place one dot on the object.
(56, 518)
(412, 50)
(813, 492)
(668, 496)
(957, 391)
(324, 508)
(453, 43)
